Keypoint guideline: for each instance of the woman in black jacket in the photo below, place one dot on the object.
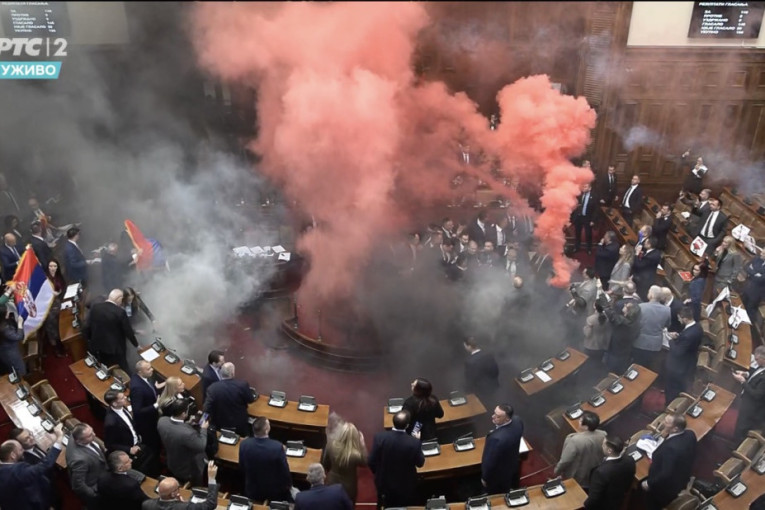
(424, 408)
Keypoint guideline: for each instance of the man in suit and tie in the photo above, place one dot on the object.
(699, 209)
(120, 433)
(713, 225)
(675, 305)
(671, 463)
(143, 400)
(647, 260)
(9, 256)
(680, 363)
(116, 489)
(606, 256)
(211, 372)
(479, 228)
(394, 460)
(582, 451)
(751, 412)
(227, 401)
(33, 454)
(662, 225)
(185, 444)
(43, 252)
(609, 187)
(582, 218)
(264, 463)
(26, 486)
(481, 372)
(500, 463)
(170, 494)
(75, 263)
(612, 479)
(632, 203)
(85, 461)
(320, 496)
(108, 330)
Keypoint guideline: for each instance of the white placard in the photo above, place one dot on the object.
(543, 376)
(150, 355)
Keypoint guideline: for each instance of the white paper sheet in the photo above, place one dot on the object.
(278, 249)
(150, 355)
(285, 256)
(543, 376)
(71, 291)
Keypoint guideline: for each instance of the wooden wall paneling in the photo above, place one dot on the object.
(753, 128)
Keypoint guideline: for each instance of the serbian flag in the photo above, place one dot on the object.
(142, 245)
(34, 292)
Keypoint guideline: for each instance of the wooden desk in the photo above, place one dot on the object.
(745, 212)
(701, 426)
(298, 465)
(93, 385)
(72, 338)
(192, 382)
(755, 488)
(616, 403)
(573, 499)
(290, 416)
(149, 485)
(451, 463)
(453, 415)
(616, 222)
(561, 370)
(744, 332)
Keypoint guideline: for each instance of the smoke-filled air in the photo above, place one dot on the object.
(353, 138)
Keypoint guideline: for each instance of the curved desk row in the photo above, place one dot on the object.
(453, 415)
(450, 462)
(560, 370)
(298, 465)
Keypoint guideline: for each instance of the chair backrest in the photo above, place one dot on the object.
(679, 405)
(747, 450)
(606, 382)
(59, 410)
(44, 391)
(729, 469)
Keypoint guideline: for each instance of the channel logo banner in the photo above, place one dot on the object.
(30, 70)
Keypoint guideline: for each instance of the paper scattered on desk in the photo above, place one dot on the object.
(263, 251)
(285, 256)
(71, 291)
(66, 304)
(150, 355)
(737, 316)
(724, 294)
(543, 376)
(278, 249)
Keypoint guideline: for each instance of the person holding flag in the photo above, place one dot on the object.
(33, 292)
(11, 333)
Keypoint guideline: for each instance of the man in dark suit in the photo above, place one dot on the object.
(671, 463)
(699, 209)
(114, 267)
(606, 256)
(481, 372)
(227, 402)
(647, 260)
(9, 256)
(609, 187)
(479, 228)
(143, 398)
(170, 495)
(185, 445)
(211, 372)
(501, 460)
(751, 412)
(26, 486)
(120, 433)
(116, 489)
(661, 226)
(713, 225)
(582, 217)
(680, 363)
(320, 496)
(33, 454)
(632, 203)
(75, 263)
(264, 463)
(394, 460)
(39, 245)
(85, 461)
(108, 329)
(612, 479)
(675, 305)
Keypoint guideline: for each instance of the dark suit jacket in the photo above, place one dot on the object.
(606, 190)
(718, 228)
(9, 261)
(636, 199)
(211, 503)
(683, 351)
(592, 204)
(266, 471)
(476, 234)
(481, 374)
(394, 460)
(675, 325)
(644, 271)
(145, 415)
(109, 327)
(84, 466)
(226, 403)
(609, 483)
(426, 417)
(185, 448)
(117, 435)
(75, 264)
(42, 251)
(661, 228)
(671, 467)
(751, 412)
(119, 492)
(606, 257)
(323, 497)
(501, 458)
(27, 487)
(208, 377)
(30, 458)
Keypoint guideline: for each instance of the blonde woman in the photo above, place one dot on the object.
(345, 452)
(729, 263)
(621, 271)
(174, 389)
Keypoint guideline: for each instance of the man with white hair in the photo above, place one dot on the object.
(654, 317)
(108, 329)
(320, 496)
(227, 400)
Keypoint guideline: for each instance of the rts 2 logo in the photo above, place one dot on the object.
(33, 47)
